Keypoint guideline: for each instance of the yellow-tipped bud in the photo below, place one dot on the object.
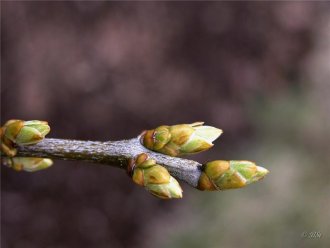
(155, 178)
(26, 132)
(180, 139)
(221, 175)
(18, 132)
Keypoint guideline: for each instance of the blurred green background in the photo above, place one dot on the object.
(107, 70)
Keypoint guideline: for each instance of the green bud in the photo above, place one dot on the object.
(169, 190)
(21, 133)
(28, 163)
(156, 175)
(221, 175)
(153, 177)
(26, 132)
(18, 132)
(180, 139)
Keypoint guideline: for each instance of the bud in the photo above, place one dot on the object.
(180, 139)
(171, 190)
(28, 163)
(155, 178)
(23, 133)
(221, 175)
(7, 146)
(26, 132)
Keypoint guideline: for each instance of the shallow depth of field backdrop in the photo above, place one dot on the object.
(106, 71)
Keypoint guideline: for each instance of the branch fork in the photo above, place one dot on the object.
(153, 153)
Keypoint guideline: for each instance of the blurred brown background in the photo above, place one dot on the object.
(107, 70)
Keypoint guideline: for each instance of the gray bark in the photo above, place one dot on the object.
(114, 153)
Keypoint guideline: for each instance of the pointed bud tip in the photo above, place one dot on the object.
(177, 195)
(259, 174)
(261, 171)
(217, 133)
(208, 133)
(170, 190)
(176, 190)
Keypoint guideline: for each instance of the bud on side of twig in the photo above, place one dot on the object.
(221, 174)
(155, 178)
(18, 132)
(180, 139)
(26, 132)
(28, 163)
(7, 146)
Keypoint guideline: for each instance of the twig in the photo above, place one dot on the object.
(114, 153)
